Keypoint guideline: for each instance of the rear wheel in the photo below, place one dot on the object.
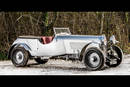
(41, 61)
(19, 57)
(94, 59)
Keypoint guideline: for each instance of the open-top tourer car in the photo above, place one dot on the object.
(94, 51)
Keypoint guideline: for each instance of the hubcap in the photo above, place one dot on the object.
(94, 59)
(19, 57)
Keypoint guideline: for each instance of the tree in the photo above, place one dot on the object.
(102, 22)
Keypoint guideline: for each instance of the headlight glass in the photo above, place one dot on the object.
(104, 40)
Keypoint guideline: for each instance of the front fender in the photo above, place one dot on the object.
(90, 45)
(119, 50)
(93, 44)
(25, 46)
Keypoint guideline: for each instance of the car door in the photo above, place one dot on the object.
(54, 48)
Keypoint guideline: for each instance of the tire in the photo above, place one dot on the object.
(119, 55)
(93, 59)
(19, 57)
(40, 61)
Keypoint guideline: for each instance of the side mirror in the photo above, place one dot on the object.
(113, 39)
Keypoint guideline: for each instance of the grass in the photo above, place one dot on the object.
(126, 50)
(3, 56)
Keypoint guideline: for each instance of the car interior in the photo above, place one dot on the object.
(46, 39)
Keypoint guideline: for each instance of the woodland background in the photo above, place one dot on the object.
(14, 24)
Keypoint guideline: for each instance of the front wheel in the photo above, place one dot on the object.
(93, 59)
(115, 56)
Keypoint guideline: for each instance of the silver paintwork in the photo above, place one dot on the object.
(113, 39)
(62, 44)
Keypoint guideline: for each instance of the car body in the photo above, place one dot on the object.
(64, 44)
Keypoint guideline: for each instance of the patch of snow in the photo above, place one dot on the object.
(62, 67)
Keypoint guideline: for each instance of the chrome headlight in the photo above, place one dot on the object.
(113, 39)
(104, 40)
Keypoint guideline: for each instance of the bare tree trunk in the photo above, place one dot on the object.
(127, 26)
(102, 21)
(74, 19)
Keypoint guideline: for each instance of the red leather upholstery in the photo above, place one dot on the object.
(47, 39)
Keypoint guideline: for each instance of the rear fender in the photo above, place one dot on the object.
(25, 46)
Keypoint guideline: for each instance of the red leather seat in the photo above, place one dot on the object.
(47, 39)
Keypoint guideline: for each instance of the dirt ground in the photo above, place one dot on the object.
(62, 67)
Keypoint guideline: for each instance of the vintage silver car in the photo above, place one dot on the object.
(94, 51)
